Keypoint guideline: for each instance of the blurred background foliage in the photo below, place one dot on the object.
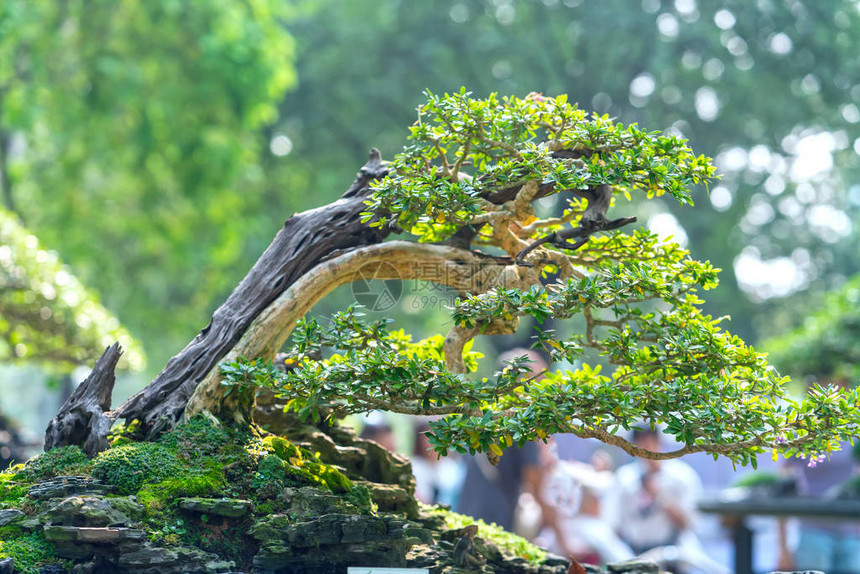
(46, 315)
(157, 146)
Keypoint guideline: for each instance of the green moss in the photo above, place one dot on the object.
(121, 433)
(30, 551)
(130, 466)
(282, 447)
(12, 491)
(62, 461)
(198, 437)
(270, 468)
(304, 466)
(160, 495)
(360, 496)
(509, 543)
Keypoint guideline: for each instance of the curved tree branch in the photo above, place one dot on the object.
(305, 240)
(461, 270)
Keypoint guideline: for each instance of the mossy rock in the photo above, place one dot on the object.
(226, 507)
(95, 511)
(196, 493)
(130, 466)
(300, 464)
(63, 461)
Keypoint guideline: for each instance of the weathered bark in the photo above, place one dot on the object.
(82, 420)
(461, 270)
(306, 239)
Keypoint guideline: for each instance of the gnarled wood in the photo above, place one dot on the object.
(290, 271)
(463, 271)
(306, 239)
(82, 420)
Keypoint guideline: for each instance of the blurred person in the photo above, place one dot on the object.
(437, 480)
(653, 509)
(654, 501)
(714, 476)
(492, 493)
(574, 490)
(381, 433)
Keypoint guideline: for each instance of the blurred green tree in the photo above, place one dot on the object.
(826, 347)
(130, 140)
(46, 315)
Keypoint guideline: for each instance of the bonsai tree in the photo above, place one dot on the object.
(466, 188)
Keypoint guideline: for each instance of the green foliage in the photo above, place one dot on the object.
(509, 543)
(62, 461)
(827, 345)
(363, 361)
(30, 551)
(509, 141)
(482, 163)
(130, 466)
(46, 314)
(12, 491)
(138, 122)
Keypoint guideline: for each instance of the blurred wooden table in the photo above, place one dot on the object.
(735, 510)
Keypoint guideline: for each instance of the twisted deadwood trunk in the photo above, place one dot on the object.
(82, 420)
(464, 271)
(316, 251)
(307, 239)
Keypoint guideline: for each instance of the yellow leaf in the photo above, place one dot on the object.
(496, 450)
(775, 456)
(541, 433)
(509, 440)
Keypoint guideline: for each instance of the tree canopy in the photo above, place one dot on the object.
(126, 129)
(826, 347)
(46, 315)
(480, 164)
(766, 88)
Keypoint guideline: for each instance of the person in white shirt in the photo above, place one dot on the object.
(653, 508)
